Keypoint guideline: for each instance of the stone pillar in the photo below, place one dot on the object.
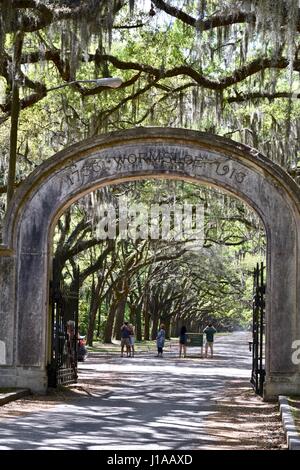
(13, 372)
(7, 299)
(7, 316)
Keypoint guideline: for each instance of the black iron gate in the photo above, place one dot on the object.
(258, 338)
(62, 368)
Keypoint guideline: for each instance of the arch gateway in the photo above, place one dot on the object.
(25, 255)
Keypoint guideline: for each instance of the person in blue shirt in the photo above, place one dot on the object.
(209, 332)
(182, 341)
(160, 340)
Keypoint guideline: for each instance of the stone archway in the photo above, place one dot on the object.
(133, 154)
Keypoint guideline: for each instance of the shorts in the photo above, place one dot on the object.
(182, 341)
(131, 340)
(125, 342)
(159, 349)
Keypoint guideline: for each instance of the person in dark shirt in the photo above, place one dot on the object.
(125, 338)
(209, 332)
(182, 341)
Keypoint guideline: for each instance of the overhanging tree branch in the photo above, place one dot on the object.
(214, 21)
(262, 95)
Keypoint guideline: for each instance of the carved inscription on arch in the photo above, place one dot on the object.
(157, 158)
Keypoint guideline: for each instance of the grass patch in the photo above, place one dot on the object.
(139, 346)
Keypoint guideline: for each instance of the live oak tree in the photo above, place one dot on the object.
(229, 67)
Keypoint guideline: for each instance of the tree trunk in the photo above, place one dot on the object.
(132, 313)
(146, 321)
(174, 328)
(99, 320)
(109, 323)
(120, 312)
(90, 329)
(94, 305)
(167, 325)
(138, 323)
(154, 326)
(15, 111)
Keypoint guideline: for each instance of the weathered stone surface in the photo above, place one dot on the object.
(144, 153)
(34, 378)
(2, 352)
(7, 298)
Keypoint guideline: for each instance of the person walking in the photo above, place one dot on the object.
(160, 340)
(209, 332)
(182, 341)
